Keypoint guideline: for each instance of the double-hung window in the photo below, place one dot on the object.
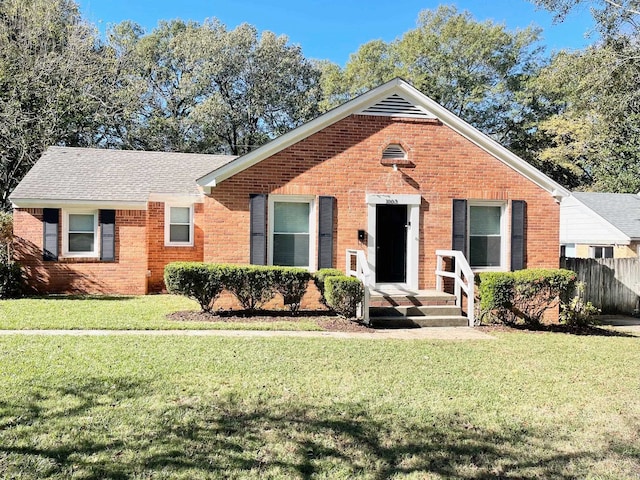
(178, 225)
(486, 236)
(80, 234)
(597, 251)
(291, 229)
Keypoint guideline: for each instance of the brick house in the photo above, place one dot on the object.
(390, 173)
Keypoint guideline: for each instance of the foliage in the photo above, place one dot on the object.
(252, 285)
(478, 70)
(204, 88)
(319, 279)
(202, 282)
(578, 313)
(343, 294)
(524, 295)
(56, 84)
(11, 280)
(292, 284)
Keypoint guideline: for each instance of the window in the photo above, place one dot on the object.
(601, 252)
(485, 236)
(80, 230)
(568, 250)
(291, 228)
(178, 225)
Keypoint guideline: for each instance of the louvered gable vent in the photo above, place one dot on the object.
(394, 152)
(396, 106)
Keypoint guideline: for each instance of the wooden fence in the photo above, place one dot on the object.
(611, 284)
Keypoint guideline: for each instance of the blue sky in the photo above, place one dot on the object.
(333, 29)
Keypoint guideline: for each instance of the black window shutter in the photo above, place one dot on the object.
(50, 220)
(108, 235)
(518, 216)
(459, 241)
(325, 232)
(258, 229)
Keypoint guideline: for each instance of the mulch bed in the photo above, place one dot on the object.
(321, 318)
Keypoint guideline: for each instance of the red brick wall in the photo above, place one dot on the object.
(343, 160)
(159, 254)
(127, 275)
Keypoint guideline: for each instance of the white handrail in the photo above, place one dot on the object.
(464, 279)
(362, 273)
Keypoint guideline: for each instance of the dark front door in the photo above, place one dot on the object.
(391, 244)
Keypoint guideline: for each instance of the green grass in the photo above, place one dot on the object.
(523, 406)
(119, 313)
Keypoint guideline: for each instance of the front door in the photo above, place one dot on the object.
(391, 244)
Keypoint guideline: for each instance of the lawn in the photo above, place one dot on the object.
(527, 405)
(120, 313)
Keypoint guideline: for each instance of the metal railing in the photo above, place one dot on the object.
(357, 266)
(464, 279)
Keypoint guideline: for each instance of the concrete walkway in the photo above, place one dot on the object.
(622, 323)
(433, 333)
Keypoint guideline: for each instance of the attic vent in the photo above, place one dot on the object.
(394, 152)
(396, 106)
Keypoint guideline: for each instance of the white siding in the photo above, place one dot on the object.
(580, 224)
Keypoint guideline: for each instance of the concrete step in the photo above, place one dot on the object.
(410, 298)
(421, 321)
(415, 311)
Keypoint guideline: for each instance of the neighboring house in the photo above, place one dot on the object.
(391, 173)
(600, 225)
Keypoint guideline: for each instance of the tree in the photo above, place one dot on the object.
(595, 131)
(478, 70)
(55, 80)
(203, 88)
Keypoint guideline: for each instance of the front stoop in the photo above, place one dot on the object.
(423, 308)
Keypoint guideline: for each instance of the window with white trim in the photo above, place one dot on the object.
(486, 235)
(291, 229)
(178, 225)
(80, 233)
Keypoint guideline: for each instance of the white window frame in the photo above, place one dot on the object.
(95, 253)
(167, 225)
(311, 200)
(592, 251)
(504, 234)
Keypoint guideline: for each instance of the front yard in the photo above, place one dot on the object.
(524, 406)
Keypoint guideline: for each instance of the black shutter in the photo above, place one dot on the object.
(518, 215)
(108, 235)
(459, 241)
(50, 220)
(325, 232)
(258, 229)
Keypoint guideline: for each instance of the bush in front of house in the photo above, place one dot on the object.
(252, 285)
(11, 280)
(523, 296)
(202, 282)
(319, 278)
(343, 294)
(291, 283)
(577, 313)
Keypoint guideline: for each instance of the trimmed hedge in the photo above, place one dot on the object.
(523, 296)
(292, 284)
(201, 281)
(319, 278)
(252, 285)
(343, 294)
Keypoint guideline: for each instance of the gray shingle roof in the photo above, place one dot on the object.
(76, 174)
(622, 210)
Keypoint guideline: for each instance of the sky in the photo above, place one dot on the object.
(333, 29)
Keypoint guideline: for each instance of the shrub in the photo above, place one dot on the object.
(11, 280)
(343, 294)
(577, 313)
(252, 285)
(319, 278)
(201, 281)
(292, 284)
(524, 295)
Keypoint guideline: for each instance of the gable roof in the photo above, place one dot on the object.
(70, 175)
(394, 98)
(622, 210)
